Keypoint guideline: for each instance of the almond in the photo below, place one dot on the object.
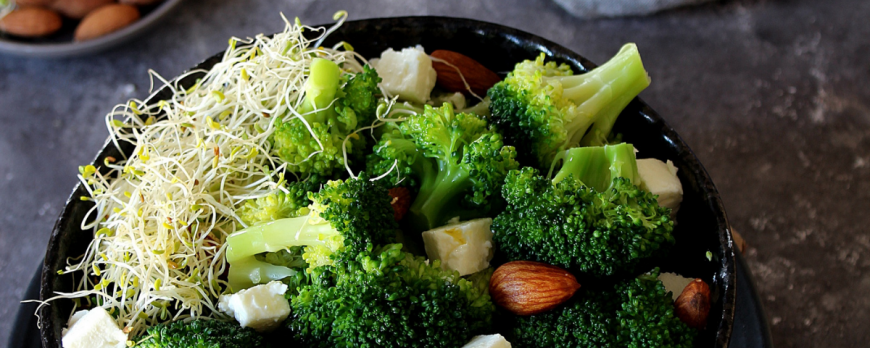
(105, 20)
(693, 305)
(478, 77)
(31, 22)
(401, 201)
(527, 287)
(25, 3)
(78, 9)
(140, 2)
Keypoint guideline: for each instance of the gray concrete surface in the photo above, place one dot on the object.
(772, 95)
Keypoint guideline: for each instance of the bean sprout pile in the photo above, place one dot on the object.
(161, 215)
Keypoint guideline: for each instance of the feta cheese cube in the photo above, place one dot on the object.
(464, 247)
(407, 73)
(488, 341)
(674, 283)
(93, 328)
(262, 307)
(660, 178)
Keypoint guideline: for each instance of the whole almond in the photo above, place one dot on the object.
(478, 77)
(140, 2)
(43, 3)
(31, 22)
(105, 20)
(693, 304)
(78, 9)
(527, 287)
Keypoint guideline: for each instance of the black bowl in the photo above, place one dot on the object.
(702, 223)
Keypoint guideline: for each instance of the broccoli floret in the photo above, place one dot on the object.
(455, 161)
(279, 204)
(635, 313)
(388, 298)
(600, 228)
(201, 334)
(543, 108)
(333, 113)
(585, 321)
(346, 218)
(358, 100)
(646, 318)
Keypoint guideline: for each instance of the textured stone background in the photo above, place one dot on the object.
(773, 96)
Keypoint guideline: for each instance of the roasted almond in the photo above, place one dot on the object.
(693, 304)
(78, 9)
(31, 22)
(140, 2)
(478, 77)
(401, 201)
(25, 3)
(527, 287)
(105, 20)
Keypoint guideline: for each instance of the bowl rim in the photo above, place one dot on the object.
(73, 48)
(707, 188)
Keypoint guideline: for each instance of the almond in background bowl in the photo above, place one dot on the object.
(104, 20)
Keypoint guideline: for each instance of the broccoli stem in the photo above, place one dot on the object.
(601, 94)
(600, 130)
(597, 166)
(320, 89)
(479, 109)
(436, 193)
(249, 271)
(277, 235)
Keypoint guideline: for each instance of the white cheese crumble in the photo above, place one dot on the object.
(464, 247)
(262, 307)
(407, 73)
(488, 341)
(660, 178)
(93, 328)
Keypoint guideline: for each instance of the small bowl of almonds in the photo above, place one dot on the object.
(63, 28)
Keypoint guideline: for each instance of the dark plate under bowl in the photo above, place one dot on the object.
(702, 223)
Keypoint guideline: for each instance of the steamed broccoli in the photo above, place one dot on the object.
(635, 313)
(388, 298)
(454, 160)
(200, 334)
(590, 218)
(543, 108)
(332, 112)
(346, 218)
(280, 204)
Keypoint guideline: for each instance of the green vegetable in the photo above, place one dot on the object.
(353, 106)
(543, 108)
(597, 166)
(200, 334)
(455, 161)
(388, 298)
(279, 205)
(346, 218)
(635, 313)
(601, 229)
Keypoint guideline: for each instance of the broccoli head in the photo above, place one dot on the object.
(389, 298)
(346, 217)
(455, 161)
(600, 228)
(200, 333)
(313, 142)
(543, 108)
(289, 201)
(635, 313)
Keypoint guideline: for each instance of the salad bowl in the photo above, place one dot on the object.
(704, 246)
